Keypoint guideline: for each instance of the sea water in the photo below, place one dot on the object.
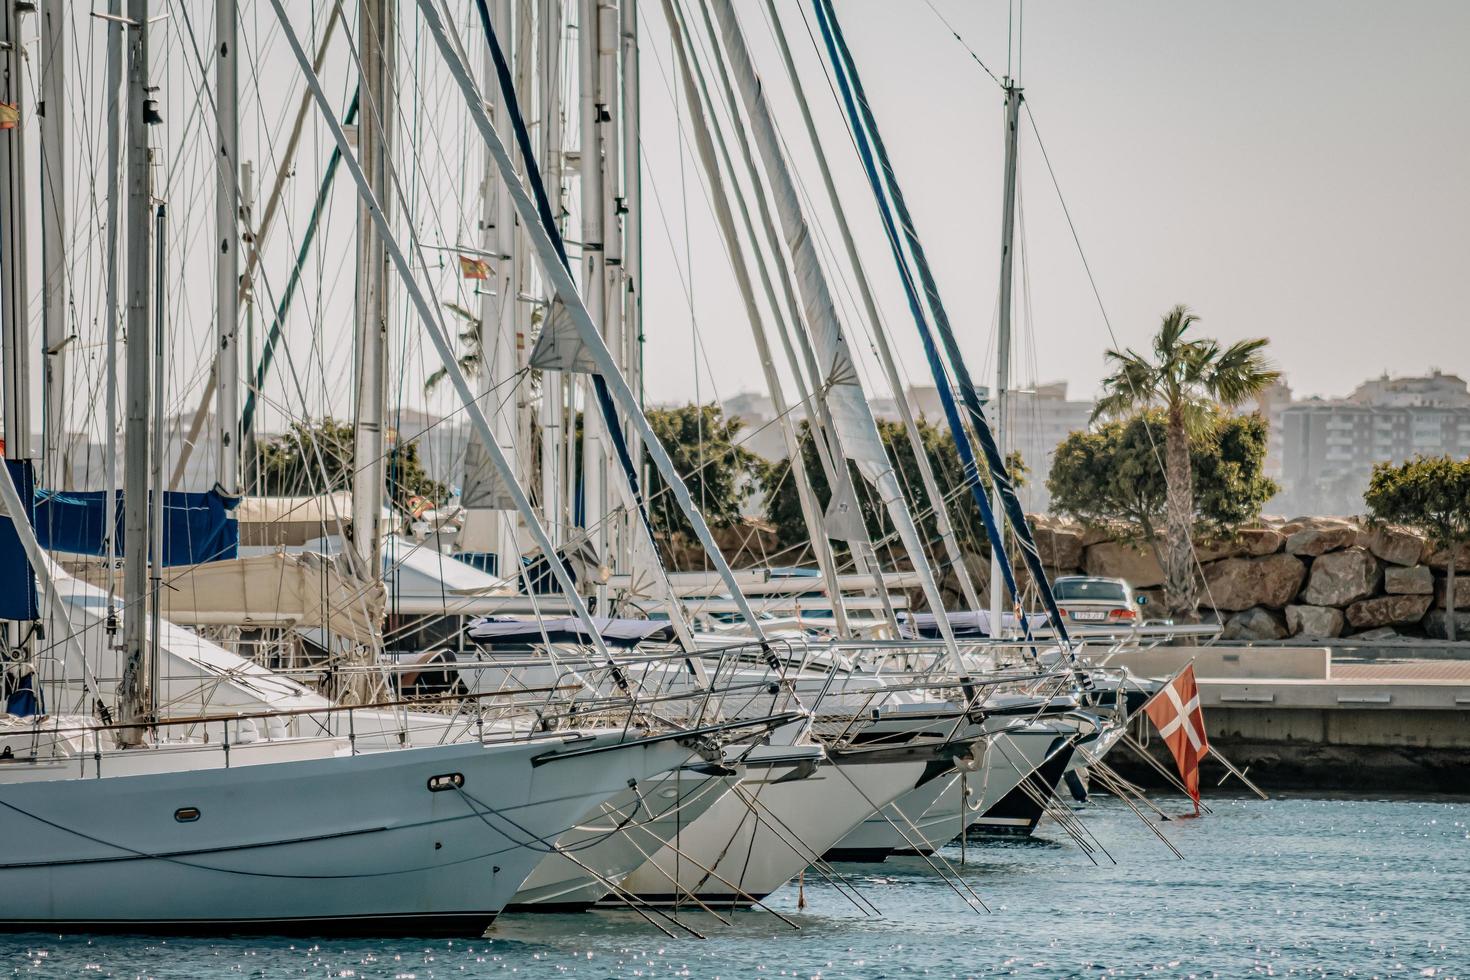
(1290, 887)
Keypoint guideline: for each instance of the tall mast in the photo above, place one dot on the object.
(553, 434)
(1003, 342)
(113, 106)
(53, 238)
(632, 292)
(155, 462)
(15, 288)
(594, 285)
(376, 37)
(487, 526)
(137, 695)
(227, 250)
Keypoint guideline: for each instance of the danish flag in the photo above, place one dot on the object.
(1175, 713)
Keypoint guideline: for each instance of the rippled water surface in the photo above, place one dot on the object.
(1294, 887)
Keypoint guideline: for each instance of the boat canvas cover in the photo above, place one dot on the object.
(280, 589)
(17, 578)
(494, 630)
(197, 527)
(971, 624)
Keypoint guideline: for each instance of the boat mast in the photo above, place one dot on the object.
(138, 694)
(488, 527)
(227, 253)
(53, 240)
(155, 461)
(15, 290)
(594, 286)
(609, 115)
(553, 395)
(1003, 341)
(376, 34)
(113, 76)
(632, 292)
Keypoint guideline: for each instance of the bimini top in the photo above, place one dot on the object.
(492, 630)
(966, 625)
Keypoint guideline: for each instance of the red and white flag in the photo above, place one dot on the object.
(1175, 713)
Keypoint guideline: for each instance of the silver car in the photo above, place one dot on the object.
(1105, 603)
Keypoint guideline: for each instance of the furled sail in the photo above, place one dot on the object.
(851, 416)
(846, 71)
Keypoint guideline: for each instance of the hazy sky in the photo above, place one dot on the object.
(1299, 171)
(1291, 170)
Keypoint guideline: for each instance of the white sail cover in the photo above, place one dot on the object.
(280, 589)
(843, 390)
(844, 395)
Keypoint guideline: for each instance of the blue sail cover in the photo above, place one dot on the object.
(17, 578)
(197, 527)
(493, 630)
(972, 624)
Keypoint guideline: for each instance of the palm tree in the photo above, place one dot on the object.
(473, 357)
(1188, 379)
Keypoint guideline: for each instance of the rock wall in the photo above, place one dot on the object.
(1310, 577)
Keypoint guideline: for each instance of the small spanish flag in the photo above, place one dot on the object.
(473, 268)
(9, 115)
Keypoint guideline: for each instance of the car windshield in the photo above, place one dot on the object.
(1091, 588)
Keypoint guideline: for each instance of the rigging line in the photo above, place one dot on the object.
(956, 35)
(653, 183)
(1102, 309)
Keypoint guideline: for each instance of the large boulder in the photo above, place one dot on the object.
(1341, 578)
(1254, 624)
(1261, 541)
(1314, 621)
(1387, 610)
(1240, 583)
(1394, 544)
(1462, 591)
(1133, 564)
(1060, 546)
(1313, 541)
(1415, 580)
(1214, 549)
(1436, 623)
(1439, 558)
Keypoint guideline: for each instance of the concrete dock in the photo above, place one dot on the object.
(1299, 718)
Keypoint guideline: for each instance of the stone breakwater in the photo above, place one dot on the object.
(1307, 577)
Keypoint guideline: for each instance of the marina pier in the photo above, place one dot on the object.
(1303, 718)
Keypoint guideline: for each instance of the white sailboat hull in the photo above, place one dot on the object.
(935, 813)
(763, 834)
(615, 838)
(340, 844)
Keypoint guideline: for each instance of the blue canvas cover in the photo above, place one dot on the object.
(197, 527)
(17, 578)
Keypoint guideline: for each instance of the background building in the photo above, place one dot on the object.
(1329, 447)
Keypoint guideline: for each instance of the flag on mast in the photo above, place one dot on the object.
(1175, 712)
(471, 267)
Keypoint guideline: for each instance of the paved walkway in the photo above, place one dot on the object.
(1403, 670)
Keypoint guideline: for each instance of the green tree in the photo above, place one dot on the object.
(1431, 494)
(1111, 473)
(1187, 379)
(783, 506)
(317, 457)
(720, 473)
